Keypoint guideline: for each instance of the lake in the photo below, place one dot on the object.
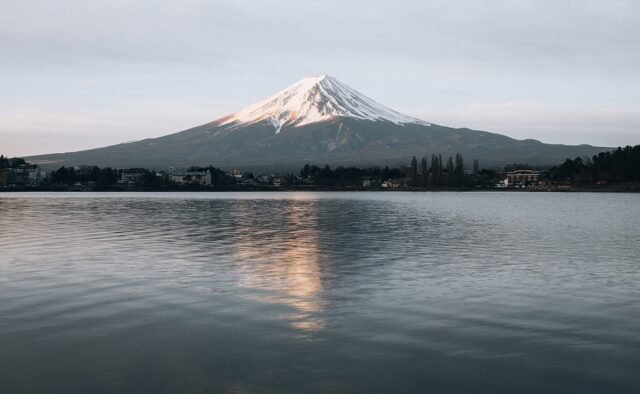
(320, 292)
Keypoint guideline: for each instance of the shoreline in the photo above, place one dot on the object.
(622, 188)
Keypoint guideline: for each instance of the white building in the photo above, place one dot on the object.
(24, 175)
(191, 177)
(132, 175)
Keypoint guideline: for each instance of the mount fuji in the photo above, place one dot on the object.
(317, 120)
(314, 100)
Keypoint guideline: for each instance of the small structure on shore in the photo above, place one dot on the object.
(190, 177)
(523, 178)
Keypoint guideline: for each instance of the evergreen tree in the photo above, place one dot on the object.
(436, 170)
(450, 169)
(441, 179)
(620, 165)
(476, 171)
(425, 172)
(16, 161)
(459, 170)
(413, 172)
(305, 171)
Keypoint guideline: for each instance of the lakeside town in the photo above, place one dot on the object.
(618, 170)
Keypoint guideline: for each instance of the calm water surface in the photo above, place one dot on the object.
(320, 292)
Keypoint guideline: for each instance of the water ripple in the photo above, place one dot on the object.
(290, 292)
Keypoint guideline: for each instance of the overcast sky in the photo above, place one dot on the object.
(81, 74)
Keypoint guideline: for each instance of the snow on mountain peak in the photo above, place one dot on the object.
(315, 99)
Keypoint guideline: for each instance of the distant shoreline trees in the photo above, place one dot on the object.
(619, 166)
(14, 162)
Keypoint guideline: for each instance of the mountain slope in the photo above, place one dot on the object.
(316, 120)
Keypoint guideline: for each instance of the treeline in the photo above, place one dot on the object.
(100, 176)
(107, 177)
(433, 172)
(14, 162)
(620, 165)
(347, 175)
(449, 173)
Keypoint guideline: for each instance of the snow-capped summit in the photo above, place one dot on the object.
(316, 99)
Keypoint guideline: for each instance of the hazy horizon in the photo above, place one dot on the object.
(80, 75)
